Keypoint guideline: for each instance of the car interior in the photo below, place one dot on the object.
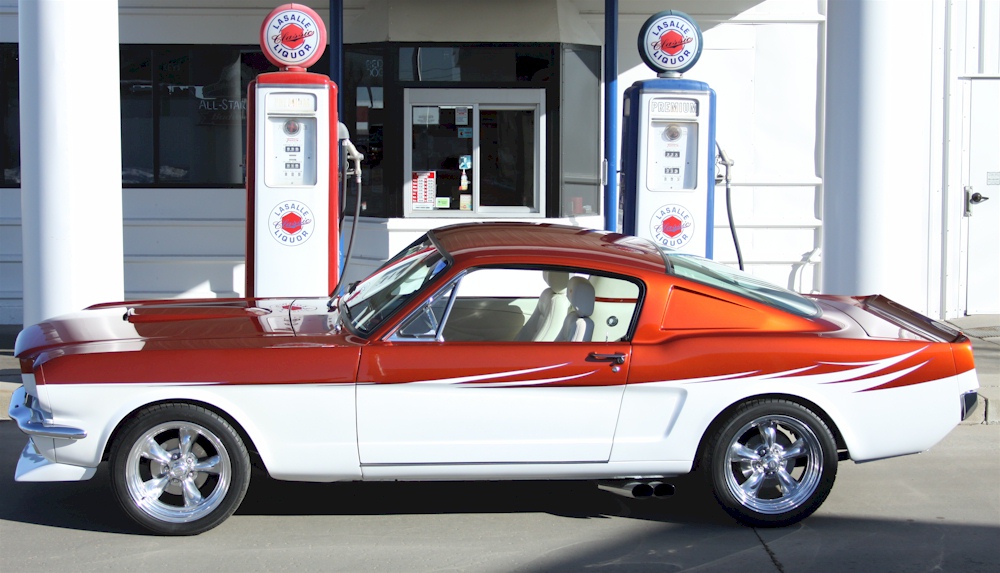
(521, 305)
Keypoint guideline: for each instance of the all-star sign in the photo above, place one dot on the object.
(670, 43)
(293, 37)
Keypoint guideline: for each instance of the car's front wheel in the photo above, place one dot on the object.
(179, 469)
(772, 463)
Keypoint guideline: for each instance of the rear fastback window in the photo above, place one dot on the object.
(740, 283)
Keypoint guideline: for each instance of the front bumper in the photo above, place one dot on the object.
(31, 421)
(969, 403)
(32, 465)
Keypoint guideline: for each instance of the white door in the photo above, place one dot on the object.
(983, 200)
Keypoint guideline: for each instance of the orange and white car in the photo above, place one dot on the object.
(491, 351)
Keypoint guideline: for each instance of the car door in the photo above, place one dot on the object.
(452, 400)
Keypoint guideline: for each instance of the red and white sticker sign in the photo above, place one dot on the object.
(423, 190)
(672, 226)
(293, 36)
(291, 223)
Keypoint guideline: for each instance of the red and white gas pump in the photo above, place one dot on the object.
(292, 200)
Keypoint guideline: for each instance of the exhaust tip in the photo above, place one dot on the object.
(637, 489)
(664, 490)
(642, 490)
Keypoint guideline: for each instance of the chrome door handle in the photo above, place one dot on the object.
(617, 357)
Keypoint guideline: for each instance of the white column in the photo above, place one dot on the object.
(71, 190)
(878, 189)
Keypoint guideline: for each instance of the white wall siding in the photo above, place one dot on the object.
(184, 242)
(11, 307)
(178, 243)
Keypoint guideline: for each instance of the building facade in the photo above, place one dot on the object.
(520, 81)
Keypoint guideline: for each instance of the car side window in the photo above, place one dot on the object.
(527, 305)
(426, 322)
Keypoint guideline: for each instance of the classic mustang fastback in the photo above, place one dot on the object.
(491, 351)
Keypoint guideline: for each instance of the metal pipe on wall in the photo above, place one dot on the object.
(611, 114)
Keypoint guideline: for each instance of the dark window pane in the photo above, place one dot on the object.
(202, 109)
(507, 158)
(580, 142)
(10, 121)
(136, 88)
(476, 64)
(365, 116)
(184, 113)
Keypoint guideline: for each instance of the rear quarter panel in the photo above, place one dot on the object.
(884, 397)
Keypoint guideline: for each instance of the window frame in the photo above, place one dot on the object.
(477, 99)
(451, 288)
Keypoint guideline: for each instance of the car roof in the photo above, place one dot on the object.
(545, 243)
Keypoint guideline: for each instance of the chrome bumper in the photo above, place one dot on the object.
(969, 403)
(30, 420)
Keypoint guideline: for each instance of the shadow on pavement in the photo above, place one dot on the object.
(678, 533)
(91, 505)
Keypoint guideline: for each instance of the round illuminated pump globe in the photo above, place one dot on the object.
(293, 37)
(670, 43)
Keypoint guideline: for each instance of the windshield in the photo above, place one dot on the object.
(376, 298)
(738, 282)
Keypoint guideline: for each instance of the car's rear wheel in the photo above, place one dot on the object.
(179, 469)
(772, 463)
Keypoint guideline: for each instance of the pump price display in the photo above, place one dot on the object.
(291, 149)
(672, 155)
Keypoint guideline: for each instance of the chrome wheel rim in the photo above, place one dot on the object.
(178, 472)
(774, 464)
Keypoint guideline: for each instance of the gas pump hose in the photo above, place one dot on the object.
(727, 163)
(352, 154)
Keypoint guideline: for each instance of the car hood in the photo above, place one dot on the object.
(170, 324)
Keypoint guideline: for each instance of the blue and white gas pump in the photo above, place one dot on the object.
(668, 141)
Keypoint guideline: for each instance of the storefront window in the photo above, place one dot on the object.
(476, 130)
(10, 121)
(365, 118)
(580, 143)
(184, 113)
(526, 63)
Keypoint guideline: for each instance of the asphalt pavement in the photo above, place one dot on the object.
(937, 511)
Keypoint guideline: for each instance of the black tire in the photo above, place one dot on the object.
(772, 463)
(179, 469)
